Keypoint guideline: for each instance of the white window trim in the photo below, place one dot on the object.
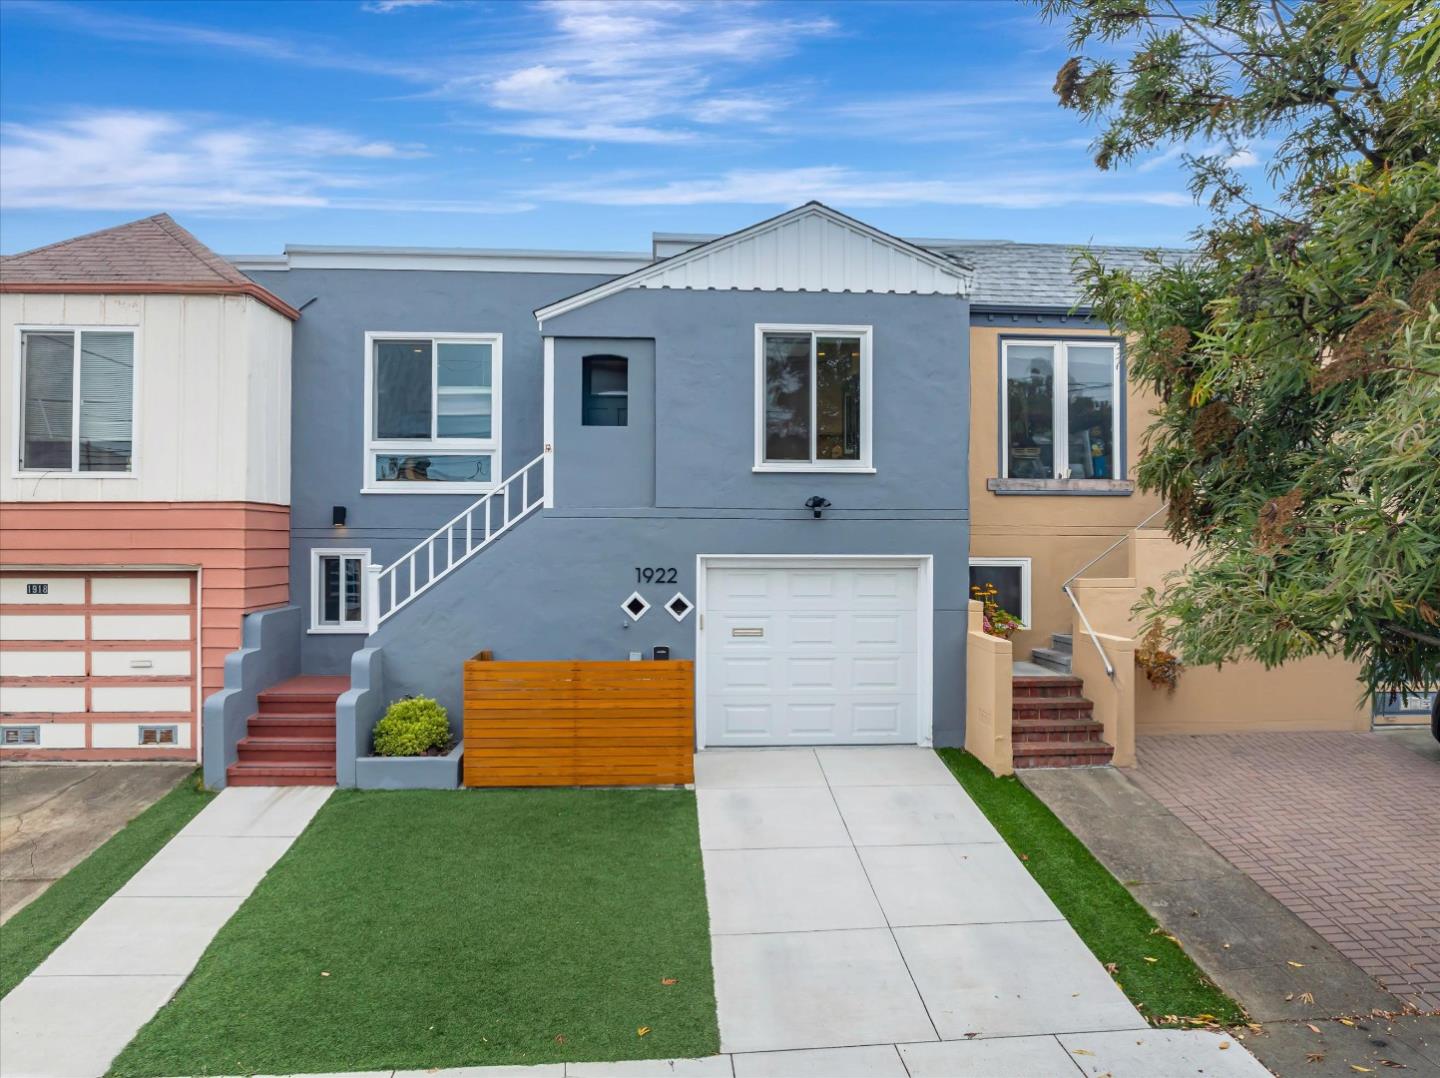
(1023, 564)
(491, 445)
(863, 466)
(1060, 418)
(349, 628)
(18, 411)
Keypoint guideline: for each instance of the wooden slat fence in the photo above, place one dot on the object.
(579, 723)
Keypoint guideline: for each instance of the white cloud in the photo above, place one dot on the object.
(389, 7)
(626, 71)
(845, 186)
(114, 160)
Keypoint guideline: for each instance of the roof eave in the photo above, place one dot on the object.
(151, 288)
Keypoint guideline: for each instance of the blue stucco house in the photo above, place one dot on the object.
(750, 451)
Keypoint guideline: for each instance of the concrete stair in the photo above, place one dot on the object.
(290, 741)
(1057, 656)
(1052, 725)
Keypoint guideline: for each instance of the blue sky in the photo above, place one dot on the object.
(560, 124)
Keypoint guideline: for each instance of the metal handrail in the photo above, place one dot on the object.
(474, 535)
(1065, 587)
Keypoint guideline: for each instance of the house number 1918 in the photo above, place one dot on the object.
(654, 576)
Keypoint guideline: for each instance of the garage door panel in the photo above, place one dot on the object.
(818, 674)
(128, 698)
(735, 721)
(42, 627)
(42, 664)
(16, 590)
(745, 673)
(140, 627)
(20, 699)
(140, 663)
(811, 720)
(141, 590)
(880, 719)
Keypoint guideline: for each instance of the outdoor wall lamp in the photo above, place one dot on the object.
(817, 504)
(337, 516)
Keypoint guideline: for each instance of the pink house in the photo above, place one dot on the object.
(145, 490)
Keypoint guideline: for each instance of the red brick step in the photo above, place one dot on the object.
(1061, 754)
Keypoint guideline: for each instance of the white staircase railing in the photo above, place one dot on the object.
(393, 587)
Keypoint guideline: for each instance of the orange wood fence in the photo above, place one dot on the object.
(579, 723)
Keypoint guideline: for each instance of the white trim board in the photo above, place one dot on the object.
(924, 564)
(811, 248)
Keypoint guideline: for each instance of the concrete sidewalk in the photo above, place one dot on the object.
(85, 1002)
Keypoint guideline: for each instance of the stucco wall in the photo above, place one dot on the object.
(211, 397)
(552, 589)
(1318, 693)
(1058, 532)
(327, 450)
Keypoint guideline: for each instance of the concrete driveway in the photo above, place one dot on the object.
(866, 918)
(52, 816)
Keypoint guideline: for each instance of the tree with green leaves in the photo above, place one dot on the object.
(1295, 355)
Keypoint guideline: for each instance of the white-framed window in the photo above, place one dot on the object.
(337, 590)
(75, 399)
(432, 412)
(812, 398)
(1060, 405)
(1010, 577)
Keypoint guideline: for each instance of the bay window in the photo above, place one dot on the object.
(813, 398)
(1060, 409)
(432, 412)
(77, 401)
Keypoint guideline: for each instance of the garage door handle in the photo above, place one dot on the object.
(747, 632)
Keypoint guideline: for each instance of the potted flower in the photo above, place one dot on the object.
(995, 620)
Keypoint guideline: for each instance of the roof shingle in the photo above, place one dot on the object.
(1040, 275)
(150, 255)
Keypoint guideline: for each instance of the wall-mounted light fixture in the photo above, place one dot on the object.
(817, 504)
(337, 516)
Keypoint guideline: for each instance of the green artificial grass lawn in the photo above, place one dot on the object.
(27, 939)
(1107, 917)
(425, 929)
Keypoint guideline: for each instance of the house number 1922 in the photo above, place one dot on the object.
(654, 576)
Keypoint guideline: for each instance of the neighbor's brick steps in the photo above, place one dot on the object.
(291, 741)
(1052, 725)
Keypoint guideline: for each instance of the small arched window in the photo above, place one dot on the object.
(605, 399)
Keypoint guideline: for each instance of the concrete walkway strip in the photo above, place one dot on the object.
(85, 1002)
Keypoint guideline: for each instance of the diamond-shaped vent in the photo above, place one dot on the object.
(635, 606)
(679, 606)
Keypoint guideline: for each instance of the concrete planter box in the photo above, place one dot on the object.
(410, 772)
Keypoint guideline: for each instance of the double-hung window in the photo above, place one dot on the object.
(77, 401)
(1060, 409)
(337, 591)
(812, 399)
(432, 412)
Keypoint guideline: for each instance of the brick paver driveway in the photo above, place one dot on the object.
(1343, 828)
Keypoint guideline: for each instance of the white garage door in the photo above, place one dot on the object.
(811, 655)
(98, 665)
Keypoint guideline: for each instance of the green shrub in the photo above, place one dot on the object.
(411, 727)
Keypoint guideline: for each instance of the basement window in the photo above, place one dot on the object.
(159, 735)
(337, 591)
(1010, 577)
